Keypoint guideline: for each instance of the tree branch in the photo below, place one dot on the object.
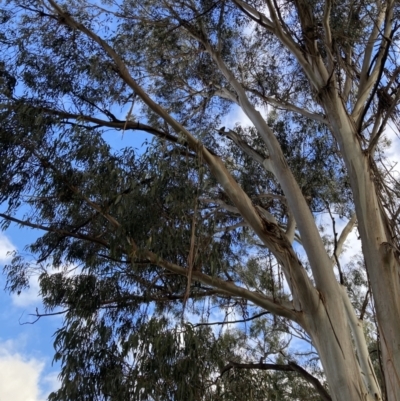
(273, 25)
(117, 302)
(291, 227)
(233, 321)
(255, 15)
(328, 34)
(335, 254)
(55, 230)
(268, 216)
(376, 134)
(343, 236)
(290, 367)
(233, 227)
(39, 315)
(373, 79)
(289, 106)
(370, 46)
(363, 357)
(116, 124)
(242, 144)
(270, 234)
(277, 163)
(364, 305)
(283, 308)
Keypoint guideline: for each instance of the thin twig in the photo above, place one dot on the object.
(232, 321)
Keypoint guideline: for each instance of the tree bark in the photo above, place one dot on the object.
(381, 255)
(330, 332)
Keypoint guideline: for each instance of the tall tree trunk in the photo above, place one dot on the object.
(381, 255)
(330, 332)
(325, 319)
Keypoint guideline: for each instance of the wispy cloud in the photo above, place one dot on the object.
(49, 383)
(28, 297)
(6, 246)
(236, 116)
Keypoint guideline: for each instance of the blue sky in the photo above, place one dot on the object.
(26, 350)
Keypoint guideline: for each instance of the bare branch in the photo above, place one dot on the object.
(349, 68)
(255, 15)
(363, 357)
(273, 25)
(290, 367)
(343, 236)
(233, 321)
(242, 144)
(232, 227)
(266, 215)
(373, 79)
(221, 203)
(377, 133)
(328, 34)
(291, 227)
(289, 107)
(335, 256)
(38, 315)
(364, 304)
(116, 124)
(313, 380)
(370, 44)
(191, 255)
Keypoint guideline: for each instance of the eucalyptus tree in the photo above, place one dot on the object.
(207, 216)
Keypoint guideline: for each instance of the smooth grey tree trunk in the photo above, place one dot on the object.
(382, 259)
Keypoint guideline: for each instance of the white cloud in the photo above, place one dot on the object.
(6, 246)
(19, 375)
(51, 382)
(393, 152)
(236, 116)
(28, 297)
(352, 245)
(31, 297)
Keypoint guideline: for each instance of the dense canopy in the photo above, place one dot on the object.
(195, 267)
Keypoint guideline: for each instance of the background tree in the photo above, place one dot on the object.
(146, 245)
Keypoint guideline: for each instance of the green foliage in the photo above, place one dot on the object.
(126, 334)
